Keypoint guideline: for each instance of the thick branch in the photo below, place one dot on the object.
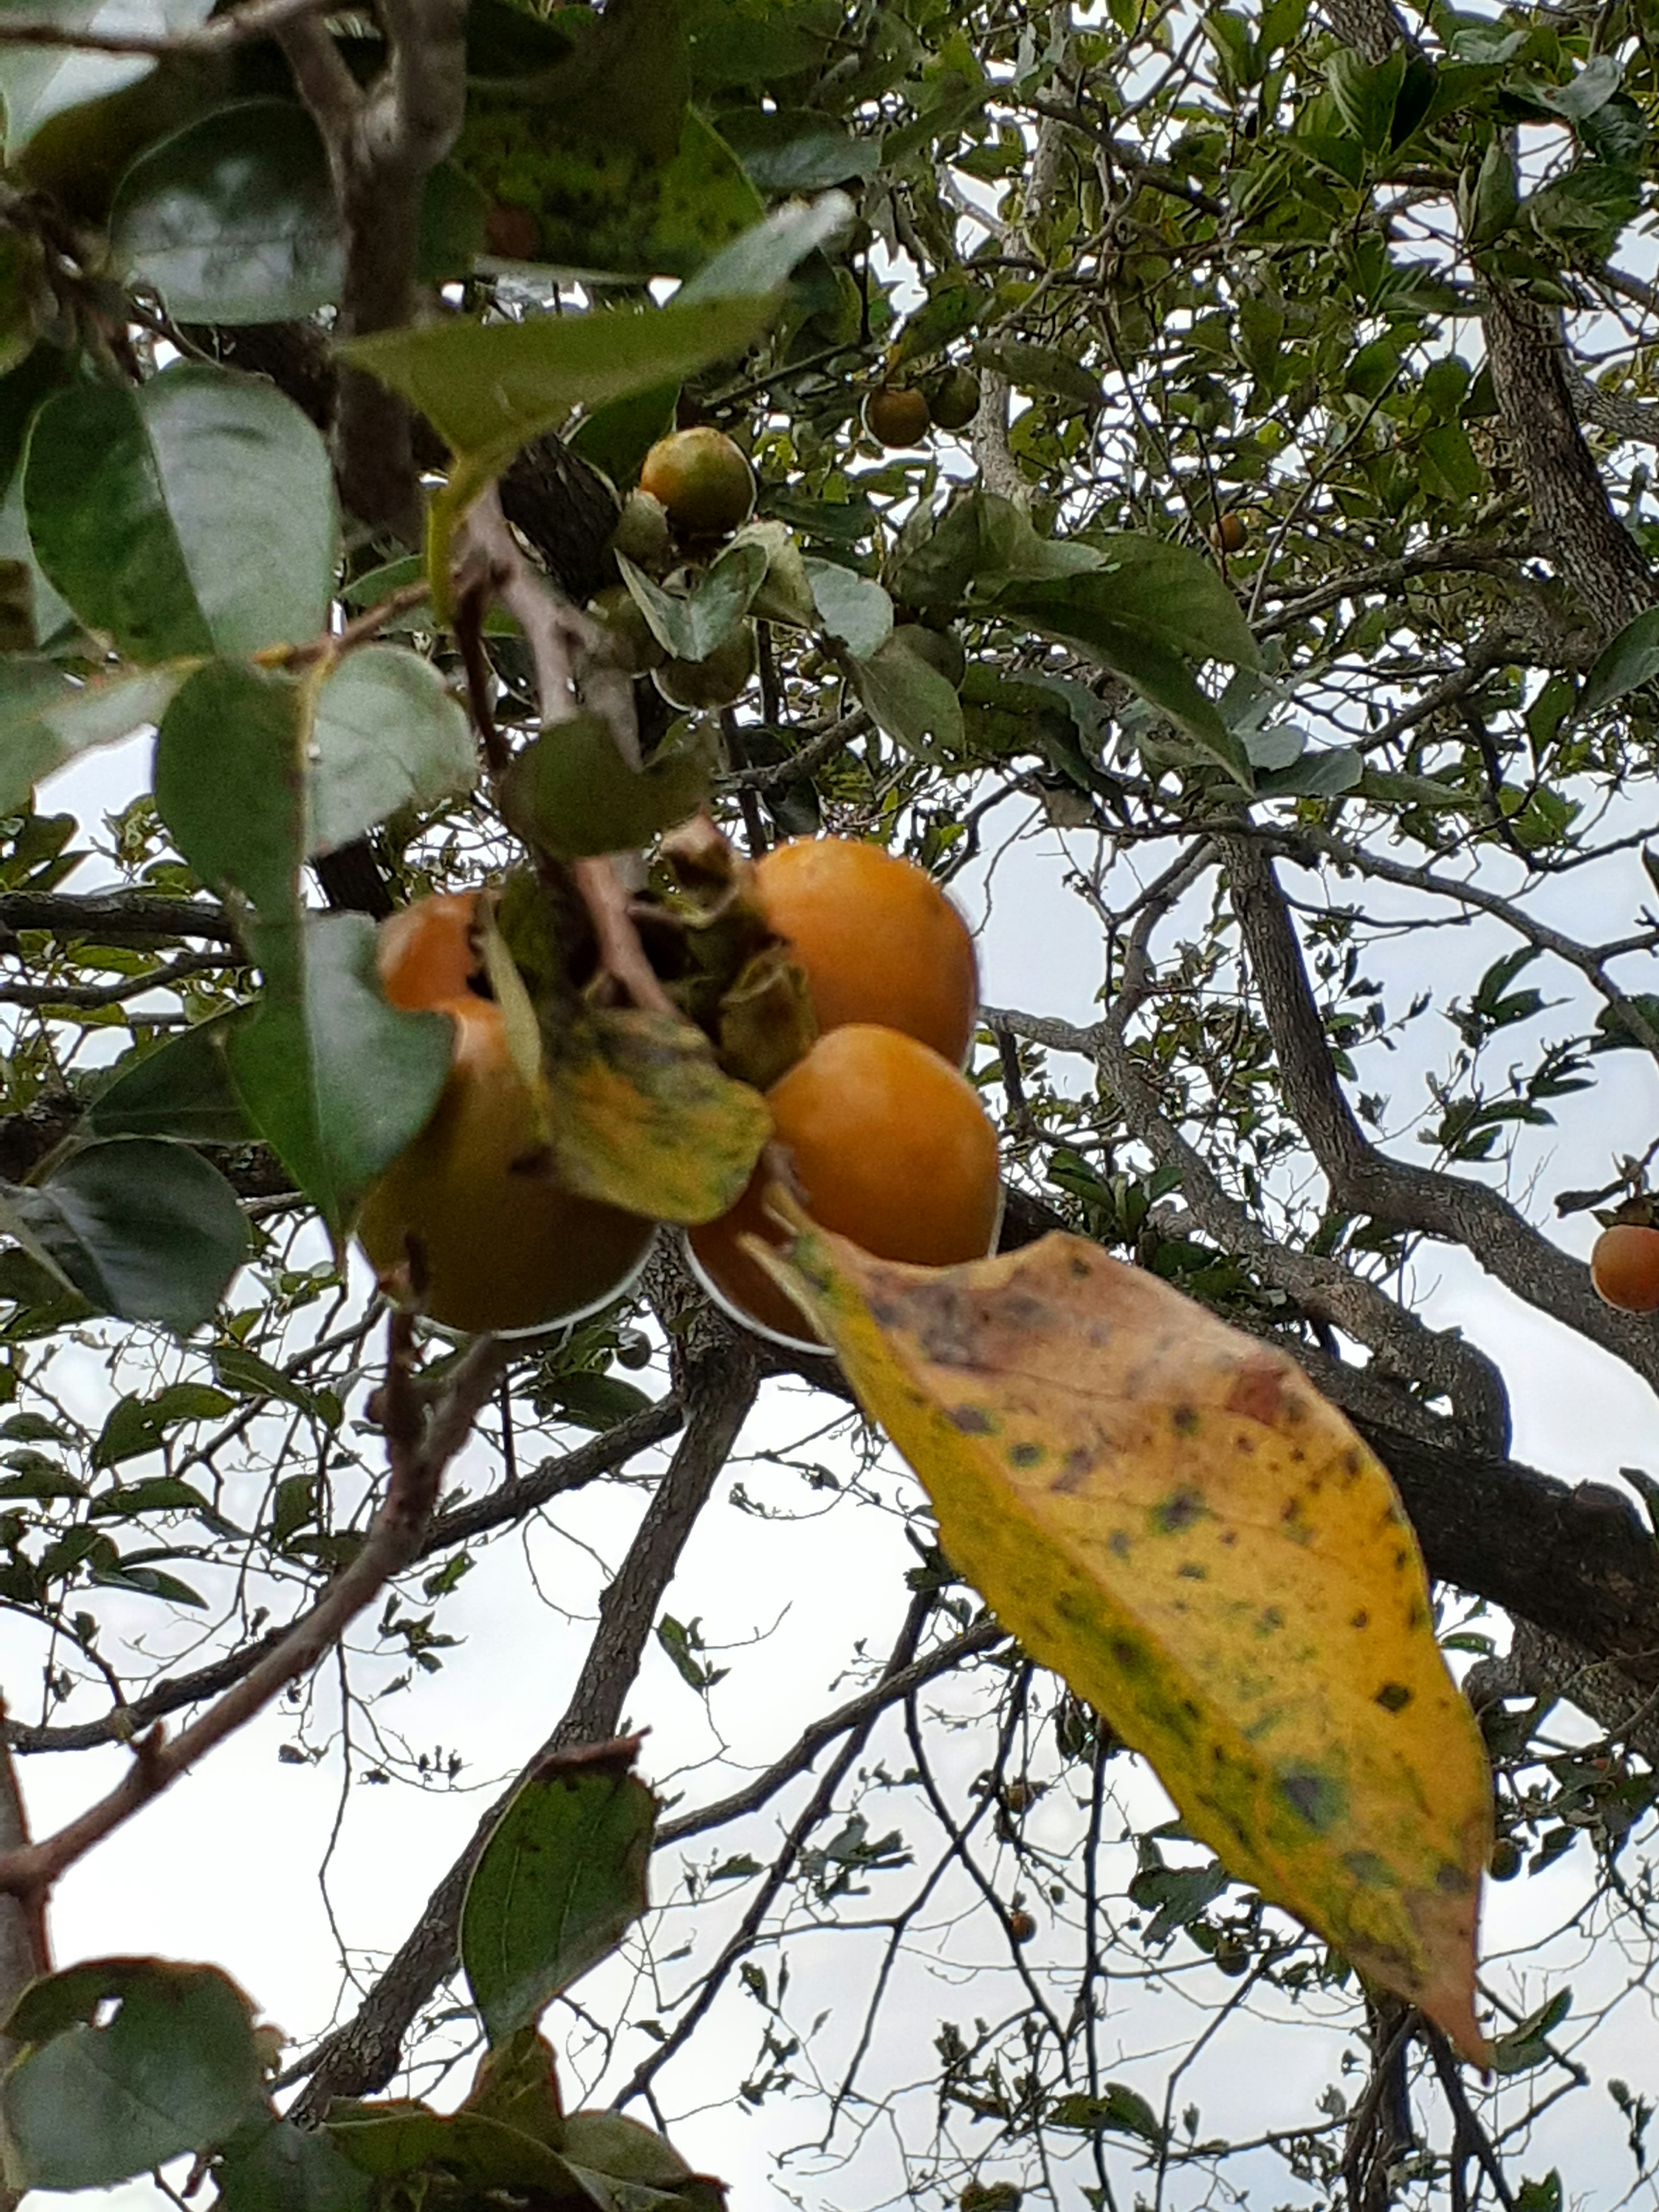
(1365, 1180)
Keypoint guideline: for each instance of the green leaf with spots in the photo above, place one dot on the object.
(1165, 1512)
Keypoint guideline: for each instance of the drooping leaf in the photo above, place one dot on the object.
(134, 1426)
(558, 1884)
(233, 218)
(194, 515)
(490, 389)
(183, 1089)
(229, 780)
(336, 1081)
(402, 2138)
(48, 717)
(642, 1117)
(176, 2068)
(906, 696)
(1167, 1513)
(692, 623)
(797, 149)
(385, 732)
(572, 793)
(141, 1227)
(1626, 662)
(1041, 369)
(851, 607)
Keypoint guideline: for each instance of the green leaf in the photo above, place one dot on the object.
(692, 624)
(141, 1228)
(851, 607)
(797, 149)
(47, 718)
(453, 214)
(490, 389)
(1118, 2110)
(136, 1426)
(1173, 594)
(1526, 2045)
(596, 1401)
(228, 779)
(279, 2167)
(148, 1582)
(1041, 369)
(183, 1089)
(611, 2146)
(1626, 662)
(759, 261)
(386, 733)
(1365, 94)
(391, 2139)
(1594, 86)
(194, 515)
(336, 1081)
(572, 793)
(908, 698)
(616, 436)
(39, 83)
(158, 1494)
(175, 2070)
(250, 1376)
(558, 1885)
(233, 218)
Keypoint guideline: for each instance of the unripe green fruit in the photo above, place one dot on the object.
(939, 648)
(642, 533)
(716, 681)
(955, 398)
(1505, 1861)
(634, 644)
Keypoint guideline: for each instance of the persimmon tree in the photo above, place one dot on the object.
(1216, 437)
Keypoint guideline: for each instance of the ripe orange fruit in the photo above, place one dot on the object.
(878, 940)
(1230, 532)
(502, 1245)
(890, 1147)
(898, 415)
(702, 479)
(427, 951)
(1625, 1267)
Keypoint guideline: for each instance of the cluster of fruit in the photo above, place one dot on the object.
(902, 414)
(695, 488)
(875, 1129)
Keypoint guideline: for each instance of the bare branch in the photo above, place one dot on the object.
(363, 2055)
(420, 1447)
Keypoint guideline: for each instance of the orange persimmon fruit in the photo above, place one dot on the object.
(1625, 1267)
(427, 951)
(473, 1206)
(702, 479)
(878, 939)
(888, 1145)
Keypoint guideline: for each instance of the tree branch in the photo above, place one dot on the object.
(718, 1393)
(420, 1446)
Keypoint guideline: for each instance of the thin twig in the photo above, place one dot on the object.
(420, 1446)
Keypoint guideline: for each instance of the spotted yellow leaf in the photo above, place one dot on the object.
(1167, 1513)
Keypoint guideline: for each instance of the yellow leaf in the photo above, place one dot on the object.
(1166, 1512)
(642, 1117)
